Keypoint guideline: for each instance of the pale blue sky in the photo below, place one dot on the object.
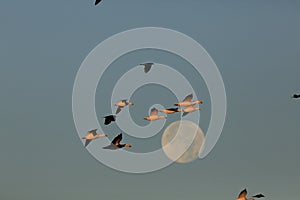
(255, 45)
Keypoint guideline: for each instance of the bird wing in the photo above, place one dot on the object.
(119, 109)
(153, 112)
(93, 132)
(107, 121)
(116, 141)
(147, 68)
(112, 117)
(188, 98)
(184, 114)
(243, 194)
(97, 1)
(87, 142)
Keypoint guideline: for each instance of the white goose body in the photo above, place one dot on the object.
(154, 115)
(121, 104)
(92, 135)
(188, 101)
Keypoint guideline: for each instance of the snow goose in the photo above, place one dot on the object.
(189, 109)
(121, 104)
(187, 101)
(154, 115)
(92, 135)
(115, 144)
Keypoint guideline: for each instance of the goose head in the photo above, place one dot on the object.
(198, 102)
(127, 145)
(130, 104)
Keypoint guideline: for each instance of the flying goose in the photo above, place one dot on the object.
(171, 110)
(296, 96)
(115, 144)
(109, 119)
(189, 109)
(187, 101)
(121, 104)
(97, 1)
(154, 115)
(147, 66)
(92, 135)
(243, 194)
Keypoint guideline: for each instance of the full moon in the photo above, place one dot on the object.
(182, 141)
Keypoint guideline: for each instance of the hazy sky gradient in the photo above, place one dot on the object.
(254, 43)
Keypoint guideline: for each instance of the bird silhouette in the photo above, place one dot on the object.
(258, 196)
(115, 144)
(147, 66)
(296, 96)
(109, 119)
(97, 1)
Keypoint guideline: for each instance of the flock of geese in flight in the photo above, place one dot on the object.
(153, 115)
(187, 105)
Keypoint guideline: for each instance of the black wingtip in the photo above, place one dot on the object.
(97, 2)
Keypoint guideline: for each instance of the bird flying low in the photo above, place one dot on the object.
(109, 119)
(154, 115)
(147, 66)
(243, 194)
(92, 135)
(121, 104)
(187, 101)
(97, 1)
(171, 110)
(296, 96)
(115, 144)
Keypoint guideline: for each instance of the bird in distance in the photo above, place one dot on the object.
(115, 144)
(121, 104)
(243, 194)
(147, 66)
(154, 115)
(92, 135)
(187, 101)
(109, 119)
